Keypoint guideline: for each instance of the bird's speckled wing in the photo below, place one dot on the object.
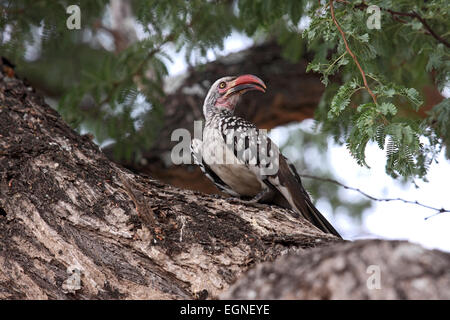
(196, 150)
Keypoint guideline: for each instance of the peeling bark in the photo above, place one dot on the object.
(74, 225)
(369, 269)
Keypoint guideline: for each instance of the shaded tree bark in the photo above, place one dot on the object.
(74, 225)
(366, 269)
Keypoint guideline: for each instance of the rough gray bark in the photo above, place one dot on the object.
(74, 225)
(350, 271)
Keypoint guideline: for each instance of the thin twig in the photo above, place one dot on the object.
(438, 211)
(412, 14)
(415, 15)
(366, 85)
(425, 24)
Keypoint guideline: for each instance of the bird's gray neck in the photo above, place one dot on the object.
(217, 113)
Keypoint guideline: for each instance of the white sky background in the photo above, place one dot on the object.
(391, 220)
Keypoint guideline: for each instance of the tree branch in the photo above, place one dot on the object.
(319, 274)
(425, 24)
(438, 211)
(366, 85)
(412, 14)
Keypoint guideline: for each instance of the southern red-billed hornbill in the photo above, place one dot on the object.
(242, 161)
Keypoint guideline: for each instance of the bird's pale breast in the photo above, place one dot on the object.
(221, 159)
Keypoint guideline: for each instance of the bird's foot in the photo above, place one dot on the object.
(263, 197)
(254, 201)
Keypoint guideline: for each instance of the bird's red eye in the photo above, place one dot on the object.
(222, 85)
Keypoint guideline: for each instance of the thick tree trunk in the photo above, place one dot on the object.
(75, 225)
(369, 269)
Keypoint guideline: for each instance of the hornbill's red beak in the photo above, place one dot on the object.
(246, 83)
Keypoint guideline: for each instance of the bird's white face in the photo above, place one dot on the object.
(225, 92)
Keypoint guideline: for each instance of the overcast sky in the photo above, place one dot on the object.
(391, 220)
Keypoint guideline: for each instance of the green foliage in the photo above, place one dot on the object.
(96, 83)
(439, 120)
(342, 98)
(101, 87)
(396, 61)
